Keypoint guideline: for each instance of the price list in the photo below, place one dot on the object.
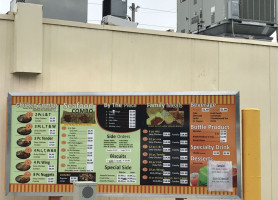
(120, 119)
(90, 150)
(165, 157)
(34, 147)
(212, 138)
(132, 118)
(76, 149)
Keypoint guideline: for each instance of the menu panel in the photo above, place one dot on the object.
(76, 143)
(127, 144)
(165, 144)
(120, 142)
(34, 145)
(212, 138)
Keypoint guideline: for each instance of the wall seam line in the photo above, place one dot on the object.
(270, 113)
(218, 60)
(111, 64)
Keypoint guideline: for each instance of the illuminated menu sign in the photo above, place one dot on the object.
(176, 144)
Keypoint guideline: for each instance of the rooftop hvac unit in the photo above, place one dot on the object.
(114, 12)
(231, 18)
(84, 190)
(116, 21)
(258, 10)
(70, 10)
(116, 8)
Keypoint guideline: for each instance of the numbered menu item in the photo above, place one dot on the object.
(34, 144)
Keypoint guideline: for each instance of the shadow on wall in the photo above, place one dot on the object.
(25, 82)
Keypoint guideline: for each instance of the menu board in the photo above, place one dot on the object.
(176, 144)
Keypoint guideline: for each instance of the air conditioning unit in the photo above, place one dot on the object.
(228, 18)
(85, 190)
(116, 21)
(69, 10)
(116, 8)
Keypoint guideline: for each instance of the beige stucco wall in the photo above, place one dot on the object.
(84, 57)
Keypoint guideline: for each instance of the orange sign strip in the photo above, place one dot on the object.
(148, 189)
(100, 100)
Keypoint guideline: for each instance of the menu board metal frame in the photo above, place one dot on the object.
(199, 93)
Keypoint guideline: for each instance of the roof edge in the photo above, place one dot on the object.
(9, 16)
(158, 33)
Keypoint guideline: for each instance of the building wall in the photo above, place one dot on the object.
(91, 58)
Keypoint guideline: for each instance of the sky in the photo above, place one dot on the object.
(152, 14)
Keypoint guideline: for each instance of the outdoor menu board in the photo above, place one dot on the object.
(182, 144)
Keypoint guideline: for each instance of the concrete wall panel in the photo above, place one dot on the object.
(143, 63)
(204, 65)
(76, 59)
(274, 119)
(246, 68)
(6, 40)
